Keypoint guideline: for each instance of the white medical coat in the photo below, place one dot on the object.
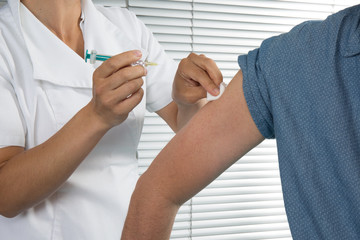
(43, 84)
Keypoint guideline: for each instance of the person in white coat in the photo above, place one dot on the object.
(69, 130)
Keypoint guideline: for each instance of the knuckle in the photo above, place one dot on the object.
(208, 61)
(192, 55)
(183, 62)
(141, 93)
(129, 87)
(139, 70)
(132, 85)
(111, 64)
(220, 76)
(137, 84)
(136, 97)
(141, 82)
(126, 88)
(185, 65)
(123, 74)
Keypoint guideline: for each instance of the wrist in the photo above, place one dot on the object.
(191, 106)
(187, 111)
(93, 119)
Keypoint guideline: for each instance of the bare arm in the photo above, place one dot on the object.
(28, 177)
(221, 133)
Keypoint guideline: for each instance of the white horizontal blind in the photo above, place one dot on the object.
(170, 21)
(112, 3)
(246, 201)
(121, 3)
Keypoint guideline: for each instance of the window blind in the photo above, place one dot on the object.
(120, 3)
(246, 201)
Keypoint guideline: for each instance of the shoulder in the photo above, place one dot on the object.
(329, 31)
(318, 39)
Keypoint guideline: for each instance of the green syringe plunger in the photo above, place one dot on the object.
(93, 56)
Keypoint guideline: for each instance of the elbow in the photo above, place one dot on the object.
(149, 190)
(9, 210)
(10, 206)
(9, 213)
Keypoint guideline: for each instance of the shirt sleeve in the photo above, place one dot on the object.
(271, 76)
(159, 78)
(256, 92)
(11, 123)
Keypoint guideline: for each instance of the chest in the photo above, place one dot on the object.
(48, 104)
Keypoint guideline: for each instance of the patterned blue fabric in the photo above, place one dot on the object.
(303, 88)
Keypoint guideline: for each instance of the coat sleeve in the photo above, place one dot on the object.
(12, 132)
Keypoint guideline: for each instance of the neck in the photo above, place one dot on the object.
(62, 17)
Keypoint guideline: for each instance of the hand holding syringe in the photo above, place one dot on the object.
(117, 89)
(93, 56)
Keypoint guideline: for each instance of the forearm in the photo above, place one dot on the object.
(177, 115)
(163, 188)
(186, 112)
(157, 214)
(31, 176)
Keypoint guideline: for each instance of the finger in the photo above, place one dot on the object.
(128, 104)
(124, 75)
(117, 62)
(113, 98)
(190, 71)
(209, 66)
(127, 89)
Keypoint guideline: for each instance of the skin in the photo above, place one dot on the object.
(226, 132)
(28, 176)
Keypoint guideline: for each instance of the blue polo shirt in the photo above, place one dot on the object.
(303, 88)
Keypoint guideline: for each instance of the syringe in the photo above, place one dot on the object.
(93, 57)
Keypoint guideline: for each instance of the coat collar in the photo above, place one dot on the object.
(53, 60)
(104, 36)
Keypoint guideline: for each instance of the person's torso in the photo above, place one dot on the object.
(315, 103)
(92, 203)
